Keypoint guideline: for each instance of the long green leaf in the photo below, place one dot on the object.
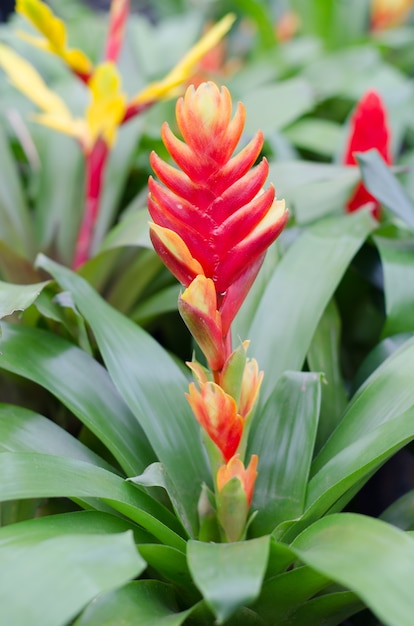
(153, 387)
(15, 225)
(367, 556)
(60, 196)
(283, 436)
(48, 583)
(324, 356)
(339, 479)
(282, 594)
(381, 182)
(22, 430)
(33, 475)
(397, 257)
(229, 575)
(79, 523)
(61, 367)
(384, 396)
(141, 603)
(330, 609)
(298, 293)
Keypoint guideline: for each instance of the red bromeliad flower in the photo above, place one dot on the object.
(212, 216)
(368, 129)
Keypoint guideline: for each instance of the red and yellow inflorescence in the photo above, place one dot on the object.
(212, 224)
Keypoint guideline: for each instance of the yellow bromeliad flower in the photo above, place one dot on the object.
(103, 115)
(108, 107)
(54, 36)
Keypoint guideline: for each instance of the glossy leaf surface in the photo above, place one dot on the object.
(59, 366)
(87, 564)
(283, 436)
(229, 575)
(367, 556)
(294, 300)
(151, 384)
(141, 603)
(32, 475)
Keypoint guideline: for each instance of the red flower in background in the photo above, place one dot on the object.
(368, 129)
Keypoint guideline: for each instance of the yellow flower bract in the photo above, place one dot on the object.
(54, 38)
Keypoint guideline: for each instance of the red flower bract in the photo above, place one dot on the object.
(368, 129)
(215, 202)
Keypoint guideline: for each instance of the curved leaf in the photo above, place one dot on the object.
(229, 575)
(385, 395)
(141, 603)
(397, 257)
(367, 556)
(48, 583)
(79, 523)
(153, 387)
(18, 297)
(61, 367)
(381, 182)
(32, 475)
(283, 436)
(22, 430)
(299, 291)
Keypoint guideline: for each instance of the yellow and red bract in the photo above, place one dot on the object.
(235, 469)
(216, 411)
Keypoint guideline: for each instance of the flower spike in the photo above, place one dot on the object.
(214, 203)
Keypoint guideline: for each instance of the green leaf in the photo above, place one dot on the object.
(401, 512)
(132, 230)
(324, 356)
(59, 199)
(153, 387)
(385, 396)
(330, 609)
(283, 436)
(381, 182)
(398, 266)
(316, 135)
(18, 297)
(15, 225)
(299, 291)
(52, 362)
(22, 430)
(48, 583)
(282, 594)
(367, 556)
(33, 475)
(141, 603)
(171, 564)
(271, 107)
(80, 523)
(229, 575)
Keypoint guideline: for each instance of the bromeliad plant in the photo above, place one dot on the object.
(131, 552)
